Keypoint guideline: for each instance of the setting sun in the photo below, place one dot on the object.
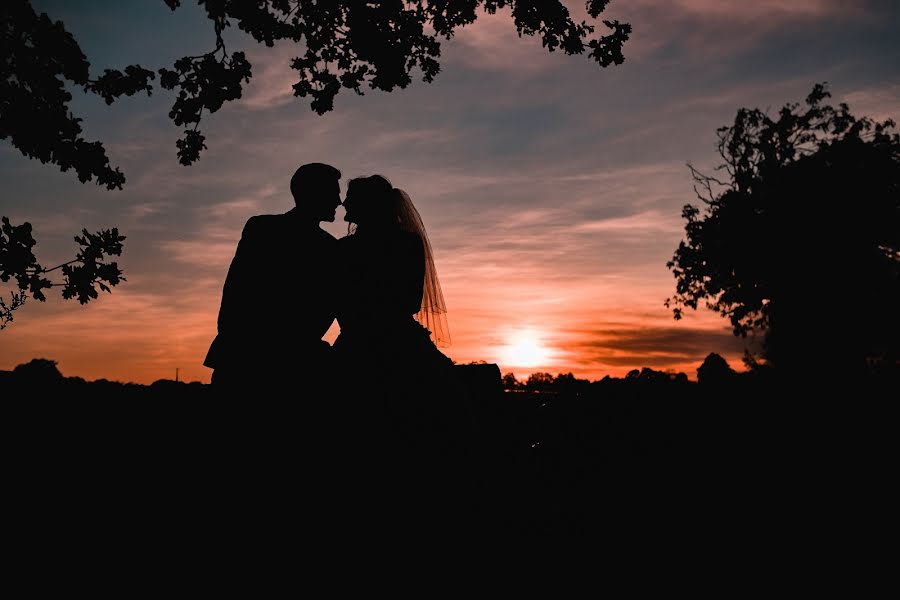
(525, 348)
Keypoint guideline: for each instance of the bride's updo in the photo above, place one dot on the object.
(375, 202)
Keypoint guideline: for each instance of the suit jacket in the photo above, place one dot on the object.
(279, 296)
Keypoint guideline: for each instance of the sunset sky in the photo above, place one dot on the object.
(551, 189)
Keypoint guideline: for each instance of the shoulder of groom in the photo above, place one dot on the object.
(257, 222)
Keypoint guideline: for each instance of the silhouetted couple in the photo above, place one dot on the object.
(290, 279)
(384, 393)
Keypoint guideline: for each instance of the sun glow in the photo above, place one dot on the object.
(525, 348)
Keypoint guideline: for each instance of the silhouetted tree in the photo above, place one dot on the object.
(509, 381)
(653, 376)
(40, 370)
(800, 238)
(350, 44)
(81, 275)
(539, 381)
(568, 383)
(715, 370)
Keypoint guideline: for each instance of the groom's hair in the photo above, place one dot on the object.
(312, 177)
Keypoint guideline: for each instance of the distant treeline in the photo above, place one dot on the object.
(42, 376)
(482, 379)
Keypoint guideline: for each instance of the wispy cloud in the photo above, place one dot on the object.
(766, 9)
(215, 249)
(646, 223)
(878, 102)
(722, 27)
(213, 242)
(491, 43)
(273, 78)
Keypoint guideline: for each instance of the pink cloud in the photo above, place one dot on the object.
(273, 77)
(880, 102)
(738, 10)
(647, 223)
(492, 43)
(720, 27)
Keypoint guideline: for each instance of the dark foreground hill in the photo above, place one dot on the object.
(635, 458)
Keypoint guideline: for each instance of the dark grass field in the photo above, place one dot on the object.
(625, 459)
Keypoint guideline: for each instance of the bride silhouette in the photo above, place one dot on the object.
(391, 305)
(410, 413)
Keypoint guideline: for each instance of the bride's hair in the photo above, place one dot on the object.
(392, 207)
(379, 200)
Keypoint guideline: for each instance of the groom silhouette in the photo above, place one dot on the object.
(278, 298)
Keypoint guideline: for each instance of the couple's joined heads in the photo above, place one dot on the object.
(316, 189)
(371, 201)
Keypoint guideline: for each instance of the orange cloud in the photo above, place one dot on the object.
(124, 336)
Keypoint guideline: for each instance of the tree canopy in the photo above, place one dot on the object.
(342, 44)
(798, 238)
(81, 275)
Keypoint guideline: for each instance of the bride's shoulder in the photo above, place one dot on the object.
(410, 239)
